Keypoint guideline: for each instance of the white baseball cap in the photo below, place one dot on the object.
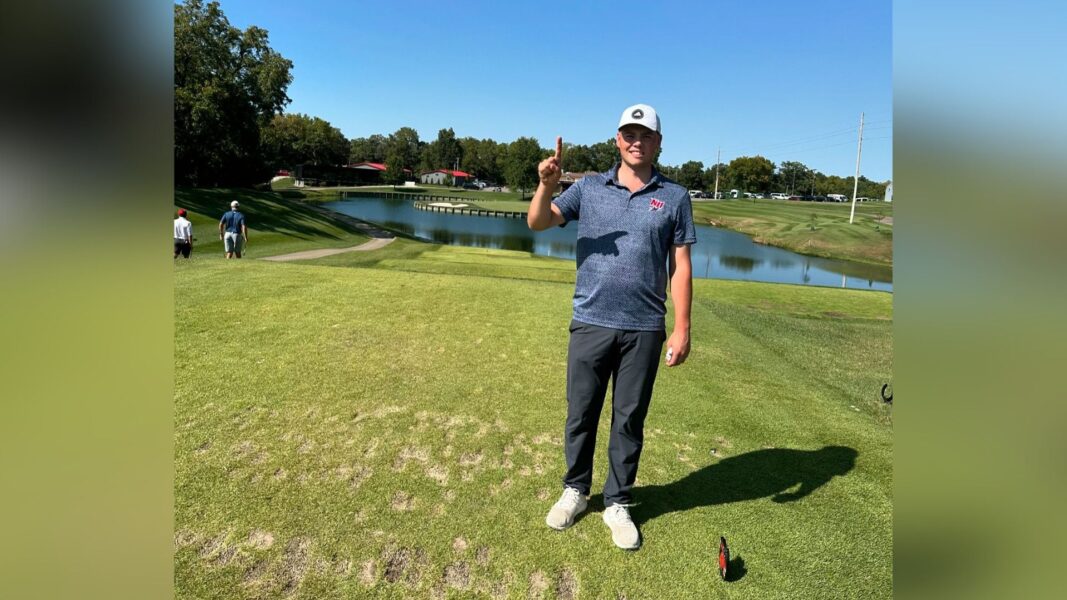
(234, 204)
(640, 114)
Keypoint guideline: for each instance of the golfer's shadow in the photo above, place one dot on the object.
(781, 474)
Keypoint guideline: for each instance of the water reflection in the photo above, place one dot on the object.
(743, 264)
(719, 253)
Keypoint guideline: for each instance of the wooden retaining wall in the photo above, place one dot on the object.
(422, 202)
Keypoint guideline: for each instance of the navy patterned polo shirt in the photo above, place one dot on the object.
(624, 241)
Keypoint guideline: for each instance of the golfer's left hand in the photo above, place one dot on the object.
(679, 342)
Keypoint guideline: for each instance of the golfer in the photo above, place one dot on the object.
(635, 227)
(183, 235)
(233, 231)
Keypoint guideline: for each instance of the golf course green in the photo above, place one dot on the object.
(388, 424)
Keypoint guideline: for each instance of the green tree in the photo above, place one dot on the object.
(751, 173)
(445, 151)
(792, 176)
(691, 175)
(578, 158)
(710, 174)
(293, 139)
(402, 152)
(520, 167)
(482, 158)
(368, 149)
(228, 84)
(603, 155)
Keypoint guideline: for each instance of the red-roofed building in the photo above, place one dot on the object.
(441, 177)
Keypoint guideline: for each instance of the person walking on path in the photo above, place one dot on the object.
(183, 235)
(233, 231)
(635, 228)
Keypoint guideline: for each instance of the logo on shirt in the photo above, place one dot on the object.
(655, 204)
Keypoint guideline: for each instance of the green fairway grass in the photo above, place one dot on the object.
(790, 225)
(388, 424)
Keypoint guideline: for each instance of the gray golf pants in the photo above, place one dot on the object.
(630, 359)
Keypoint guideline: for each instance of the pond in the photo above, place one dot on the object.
(718, 253)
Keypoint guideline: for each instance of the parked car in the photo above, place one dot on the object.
(794, 198)
(470, 185)
(779, 196)
(696, 194)
(837, 197)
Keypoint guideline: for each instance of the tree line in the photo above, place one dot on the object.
(230, 129)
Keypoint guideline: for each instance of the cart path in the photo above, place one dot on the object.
(319, 253)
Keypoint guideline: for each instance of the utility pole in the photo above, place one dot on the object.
(856, 185)
(718, 154)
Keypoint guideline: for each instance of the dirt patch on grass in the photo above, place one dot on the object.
(358, 475)
(496, 489)
(396, 561)
(567, 585)
(438, 473)
(498, 590)
(403, 564)
(260, 540)
(342, 567)
(468, 459)
(458, 575)
(419, 561)
(368, 573)
(225, 555)
(538, 585)
(548, 438)
(211, 546)
(402, 501)
(254, 574)
(408, 454)
(202, 448)
(184, 538)
(243, 449)
(294, 566)
(459, 544)
(482, 556)
(280, 474)
(544, 494)
(377, 413)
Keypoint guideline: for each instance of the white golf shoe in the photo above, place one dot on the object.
(569, 505)
(623, 531)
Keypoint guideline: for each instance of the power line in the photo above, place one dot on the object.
(811, 138)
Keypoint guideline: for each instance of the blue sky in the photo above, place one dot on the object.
(786, 80)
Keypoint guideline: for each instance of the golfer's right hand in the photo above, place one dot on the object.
(549, 170)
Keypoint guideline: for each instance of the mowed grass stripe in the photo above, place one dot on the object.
(365, 419)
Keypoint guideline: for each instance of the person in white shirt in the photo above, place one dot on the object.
(183, 235)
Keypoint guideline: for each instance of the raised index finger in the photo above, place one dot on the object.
(559, 147)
